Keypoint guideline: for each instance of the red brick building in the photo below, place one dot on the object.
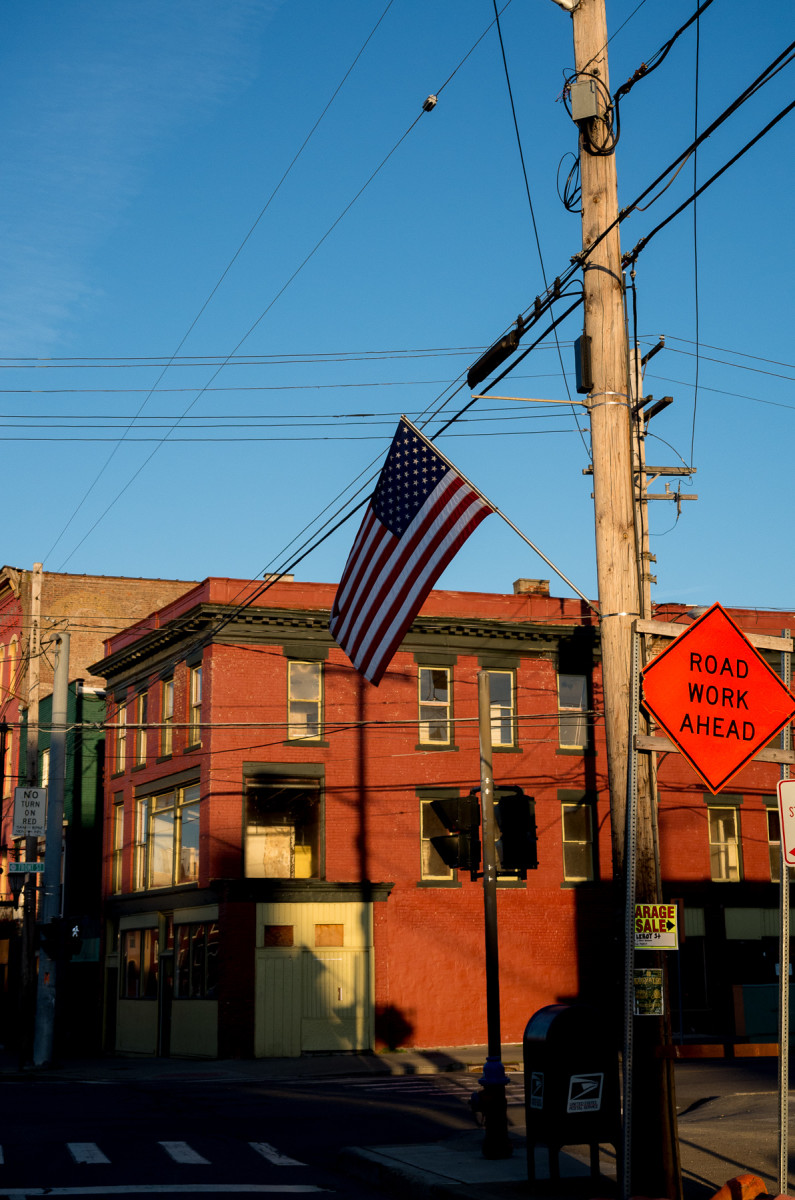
(271, 886)
(34, 605)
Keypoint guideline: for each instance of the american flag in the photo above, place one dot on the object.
(421, 513)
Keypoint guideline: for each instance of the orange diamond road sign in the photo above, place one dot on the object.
(716, 697)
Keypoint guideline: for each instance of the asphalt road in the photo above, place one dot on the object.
(165, 1137)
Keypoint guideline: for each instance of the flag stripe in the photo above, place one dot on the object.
(420, 553)
(380, 585)
(381, 656)
(421, 513)
(359, 575)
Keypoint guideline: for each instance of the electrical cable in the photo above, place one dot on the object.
(532, 211)
(695, 231)
(644, 241)
(207, 302)
(427, 107)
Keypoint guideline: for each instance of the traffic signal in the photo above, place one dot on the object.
(461, 846)
(517, 845)
(49, 938)
(74, 938)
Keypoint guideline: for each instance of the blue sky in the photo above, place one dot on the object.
(140, 145)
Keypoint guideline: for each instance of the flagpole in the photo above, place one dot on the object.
(498, 512)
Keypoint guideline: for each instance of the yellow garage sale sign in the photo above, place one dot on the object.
(656, 927)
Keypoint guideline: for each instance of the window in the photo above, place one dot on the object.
(432, 865)
(120, 761)
(139, 964)
(45, 767)
(774, 844)
(724, 844)
(304, 699)
(578, 846)
(283, 828)
(502, 706)
(167, 718)
(141, 710)
(139, 845)
(573, 712)
(195, 706)
(196, 973)
(434, 706)
(118, 843)
(167, 838)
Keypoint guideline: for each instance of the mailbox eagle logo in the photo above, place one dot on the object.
(585, 1093)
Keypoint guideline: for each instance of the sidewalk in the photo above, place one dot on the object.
(124, 1069)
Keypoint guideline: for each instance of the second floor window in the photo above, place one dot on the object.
(141, 714)
(434, 706)
(304, 700)
(167, 718)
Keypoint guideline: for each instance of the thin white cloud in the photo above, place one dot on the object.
(92, 92)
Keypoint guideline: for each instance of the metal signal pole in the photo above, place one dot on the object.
(51, 899)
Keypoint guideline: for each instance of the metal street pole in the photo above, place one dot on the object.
(51, 897)
(784, 965)
(496, 1143)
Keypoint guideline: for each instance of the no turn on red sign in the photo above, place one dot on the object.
(716, 697)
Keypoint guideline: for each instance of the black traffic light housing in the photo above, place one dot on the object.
(461, 846)
(515, 816)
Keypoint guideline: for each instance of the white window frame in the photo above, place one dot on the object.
(117, 844)
(120, 749)
(725, 854)
(573, 717)
(141, 717)
(503, 716)
(431, 826)
(773, 817)
(167, 718)
(194, 706)
(434, 713)
(304, 703)
(586, 807)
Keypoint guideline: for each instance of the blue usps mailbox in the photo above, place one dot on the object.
(571, 1085)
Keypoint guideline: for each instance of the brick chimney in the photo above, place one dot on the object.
(531, 587)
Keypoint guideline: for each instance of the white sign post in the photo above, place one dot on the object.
(30, 811)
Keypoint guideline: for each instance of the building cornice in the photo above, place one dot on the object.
(160, 648)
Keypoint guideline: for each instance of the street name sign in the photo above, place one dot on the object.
(30, 811)
(656, 927)
(786, 812)
(716, 697)
(25, 868)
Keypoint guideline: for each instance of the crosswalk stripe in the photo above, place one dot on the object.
(86, 1152)
(181, 1152)
(273, 1155)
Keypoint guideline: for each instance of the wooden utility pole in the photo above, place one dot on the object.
(653, 1169)
(609, 406)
